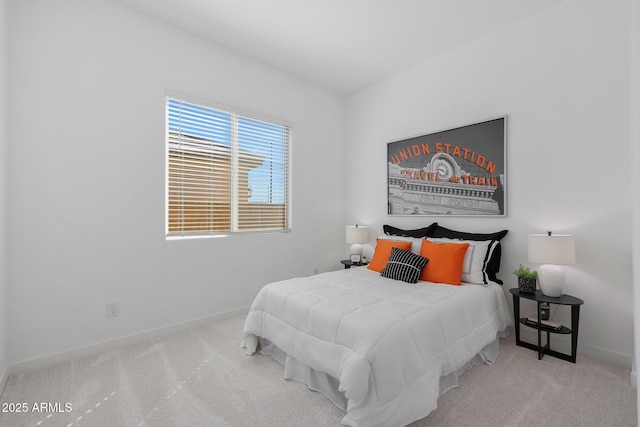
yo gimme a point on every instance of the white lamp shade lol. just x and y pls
(552, 249)
(357, 235)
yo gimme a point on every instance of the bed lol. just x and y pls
(380, 348)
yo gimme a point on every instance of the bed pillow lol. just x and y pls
(474, 268)
(416, 242)
(440, 231)
(445, 261)
(418, 232)
(404, 265)
(383, 251)
(493, 265)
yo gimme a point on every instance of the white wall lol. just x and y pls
(634, 114)
(87, 188)
(4, 134)
(562, 78)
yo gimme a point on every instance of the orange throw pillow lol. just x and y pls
(445, 261)
(383, 252)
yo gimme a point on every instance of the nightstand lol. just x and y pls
(540, 298)
(347, 263)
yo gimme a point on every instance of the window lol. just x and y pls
(226, 172)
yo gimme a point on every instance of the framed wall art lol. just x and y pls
(459, 171)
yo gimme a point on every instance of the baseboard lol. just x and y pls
(606, 355)
(88, 350)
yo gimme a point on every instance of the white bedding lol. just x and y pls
(387, 342)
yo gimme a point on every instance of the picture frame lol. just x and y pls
(355, 258)
(459, 172)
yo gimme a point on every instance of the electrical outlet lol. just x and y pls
(113, 309)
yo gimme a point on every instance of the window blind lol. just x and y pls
(226, 172)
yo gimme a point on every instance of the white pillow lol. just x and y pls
(474, 268)
(416, 243)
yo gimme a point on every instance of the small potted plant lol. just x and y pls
(526, 279)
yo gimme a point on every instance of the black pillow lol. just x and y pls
(493, 266)
(418, 232)
(404, 265)
(440, 231)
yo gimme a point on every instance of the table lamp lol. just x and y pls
(550, 250)
(357, 235)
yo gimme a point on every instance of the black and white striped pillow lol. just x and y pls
(404, 265)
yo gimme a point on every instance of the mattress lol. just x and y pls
(386, 342)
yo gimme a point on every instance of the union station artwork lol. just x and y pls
(458, 171)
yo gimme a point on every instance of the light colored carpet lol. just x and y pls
(201, 377)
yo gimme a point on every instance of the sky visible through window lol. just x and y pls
(268, 140)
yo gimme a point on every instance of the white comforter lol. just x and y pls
(386, 341)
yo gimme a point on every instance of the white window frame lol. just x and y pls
(235, 228)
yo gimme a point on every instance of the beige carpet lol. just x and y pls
(201, 377)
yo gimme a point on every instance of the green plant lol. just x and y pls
(525, 272)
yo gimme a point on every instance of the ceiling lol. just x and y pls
(343, 45)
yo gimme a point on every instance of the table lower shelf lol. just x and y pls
(563, 329)
(545, 349)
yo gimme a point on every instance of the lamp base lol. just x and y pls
(356, 249)
(551, 279)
